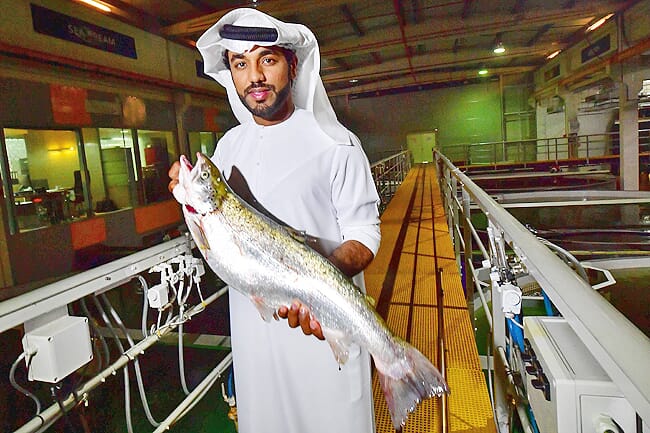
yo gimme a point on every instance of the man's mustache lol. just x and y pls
(257, 86)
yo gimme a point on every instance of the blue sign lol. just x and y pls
(601, 46)
(51, 23)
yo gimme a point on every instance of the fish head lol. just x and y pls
(204, 189)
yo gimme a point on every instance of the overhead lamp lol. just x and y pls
(483, 71)
(599, 23)
(353, 80)
(97, 4)
(499, 48)
(553, 54)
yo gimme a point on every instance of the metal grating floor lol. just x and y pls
(402, 278)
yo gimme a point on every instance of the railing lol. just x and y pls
(621, 348)
(542, 149)
(388, 175)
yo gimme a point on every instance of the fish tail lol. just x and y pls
(407, 382)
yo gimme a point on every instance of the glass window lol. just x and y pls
(157, 149)
(44, 169)
(111, 159)
(204, 142)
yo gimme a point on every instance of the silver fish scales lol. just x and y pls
(262, 259)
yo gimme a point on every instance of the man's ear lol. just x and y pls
(293, 68)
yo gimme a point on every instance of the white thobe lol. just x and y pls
(286, 382)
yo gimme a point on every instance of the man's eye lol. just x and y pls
(240, 65)
(268, 60)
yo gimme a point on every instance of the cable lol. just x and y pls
(107, 352)
(136, 363)
(145, 305)
(127, 384)
(19, 388)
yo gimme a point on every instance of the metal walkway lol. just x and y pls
(403, 280)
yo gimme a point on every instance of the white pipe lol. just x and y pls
(196, 395)
(52, 413)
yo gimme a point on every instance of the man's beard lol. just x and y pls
(268, 112)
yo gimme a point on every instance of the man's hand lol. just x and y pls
(299, 315)
(173, 172)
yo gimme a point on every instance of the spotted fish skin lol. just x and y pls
(263, 260)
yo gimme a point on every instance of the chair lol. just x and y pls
(78, 190)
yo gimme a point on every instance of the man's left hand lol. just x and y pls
(299, 315)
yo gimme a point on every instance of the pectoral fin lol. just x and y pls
(197, 233)
(266, 311)
(339, 343)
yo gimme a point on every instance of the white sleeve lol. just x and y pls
(355, 197)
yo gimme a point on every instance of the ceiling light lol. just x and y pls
(499, 48)
(599, 23)
(97, 4)
(353, 80)
(483, 71)
(553, 54)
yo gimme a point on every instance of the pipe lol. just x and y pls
(196, 395)
(52, 413)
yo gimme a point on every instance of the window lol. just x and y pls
(111, 160)
(157, 150)
(46, 186)
(204, 142)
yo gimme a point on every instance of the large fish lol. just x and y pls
(266, 262)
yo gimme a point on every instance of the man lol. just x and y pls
(292, 158)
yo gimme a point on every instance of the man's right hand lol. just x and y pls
(174, 170)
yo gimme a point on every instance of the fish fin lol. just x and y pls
(198, 234)
(297, 235)
(407, 382)
(266, 311)
(339, 343)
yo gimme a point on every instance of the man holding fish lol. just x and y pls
(292, 159)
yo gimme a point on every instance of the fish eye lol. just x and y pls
(205, 175)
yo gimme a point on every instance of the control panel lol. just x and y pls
(568, 390)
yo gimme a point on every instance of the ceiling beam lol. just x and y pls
(427, 78)
(456, 27)
(431, 61)
(467, 9)
(276, 8)
(540, 32)
(519, 8)
(349, 17)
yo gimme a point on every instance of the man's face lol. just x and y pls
(262, 78)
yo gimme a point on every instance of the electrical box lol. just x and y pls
(61, 347)
(568, 390)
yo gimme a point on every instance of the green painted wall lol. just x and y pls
(463, 114)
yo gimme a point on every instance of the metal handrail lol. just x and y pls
(388, 174)
(620, 347)
(541, 149)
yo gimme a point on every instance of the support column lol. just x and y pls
(628, 115)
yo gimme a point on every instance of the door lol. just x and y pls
(421, 145)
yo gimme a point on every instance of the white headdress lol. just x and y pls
(245, 28)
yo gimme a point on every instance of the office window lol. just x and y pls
(157, 151)
(44, 185)
(111, 163)
(204, 142)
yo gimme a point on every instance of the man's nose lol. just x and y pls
(256, 74)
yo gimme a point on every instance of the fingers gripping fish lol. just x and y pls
(264, 261)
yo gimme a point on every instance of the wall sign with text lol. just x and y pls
(52, 23)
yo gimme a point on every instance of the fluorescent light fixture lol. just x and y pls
(96, 4)
(499, 48)
(482, 71)
(353, 80)
(553, 54)
(599, 23)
